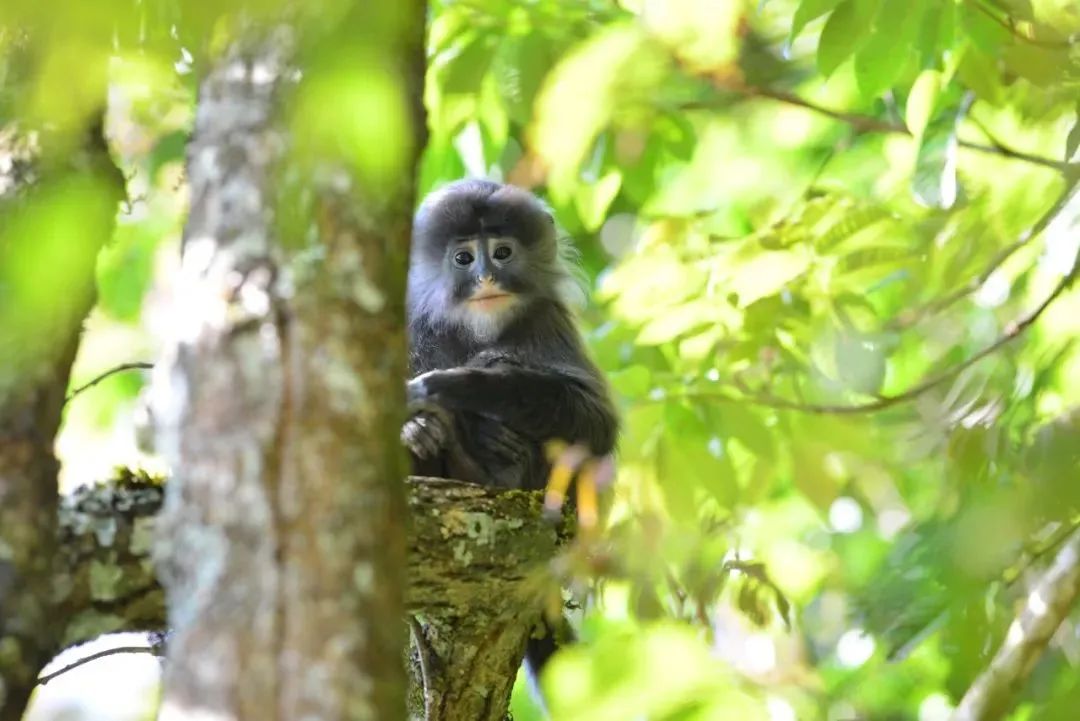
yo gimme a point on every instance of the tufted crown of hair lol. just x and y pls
(481, 208)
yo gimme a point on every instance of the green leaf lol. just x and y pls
(745, 426)
(860, 365)
(844, 33)
(937, 32)
(922, 100)
(614, 65)
(986, 33)
(979, 72)
(632, 382)
(808, 11)
(519, 67)
(1043, 66)
(690, 460)
(168, 149)
(445, 28)
(935, 181)
(592, 200)
(681, 320)
(1072, 141)
(464, 70)
(765, 273)
(880, 61)
(811, 476)
(125, 269)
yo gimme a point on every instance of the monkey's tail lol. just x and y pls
(539, 649)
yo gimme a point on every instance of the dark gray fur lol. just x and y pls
(489, 401)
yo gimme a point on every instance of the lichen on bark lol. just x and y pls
(473, 553)
(55, 213)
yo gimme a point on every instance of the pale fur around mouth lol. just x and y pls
(491, 300)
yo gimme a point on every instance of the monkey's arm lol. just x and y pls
(544, 404)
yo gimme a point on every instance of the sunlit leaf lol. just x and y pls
(763, 274)
(125, 269)
(594, 199)
(463, 70)
(979, 72)
(1043, 66)
(703, 33)
(922, 100)
(654, 672)
(519, 67)
(1072, 141)
(807, 11)
(632, 382)
(860, 364)
(935, 181)
(844, 33)
(987, 34)
(598, 70)
(683, 319)
(882, 58)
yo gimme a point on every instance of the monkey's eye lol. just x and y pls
(502, 252)
(463, 257)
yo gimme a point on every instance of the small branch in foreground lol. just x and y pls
(152, 650)
(992, 693)
(141, 365)
(870, 124)
(1012, 331)
(906, 320)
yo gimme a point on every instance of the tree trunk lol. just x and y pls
(54, 217)
(284, 529)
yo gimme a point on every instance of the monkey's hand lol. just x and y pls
(428, 430)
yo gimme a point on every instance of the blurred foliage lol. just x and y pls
(833, 246)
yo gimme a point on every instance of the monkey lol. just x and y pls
(497, 365)
(498, 368)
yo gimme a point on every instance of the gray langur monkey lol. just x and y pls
(498, 368)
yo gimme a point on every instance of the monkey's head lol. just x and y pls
(481, 253)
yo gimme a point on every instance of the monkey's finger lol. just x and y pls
(605, 471)
(586, 495)
(422, 436)
(565, 464)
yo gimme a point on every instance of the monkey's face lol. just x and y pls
(487, 273)
(481, 252)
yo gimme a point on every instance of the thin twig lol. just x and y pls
(427, 668)
(1048, 604)
(118, 369)
(867, 123)
(153, 651)
(906, 320)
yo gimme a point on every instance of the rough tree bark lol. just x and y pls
(284, 529)
(1048, 604)
(473, 555)
(54, 248)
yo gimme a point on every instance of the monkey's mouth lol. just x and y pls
(490, 299)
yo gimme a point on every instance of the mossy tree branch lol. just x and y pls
(472, 554)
